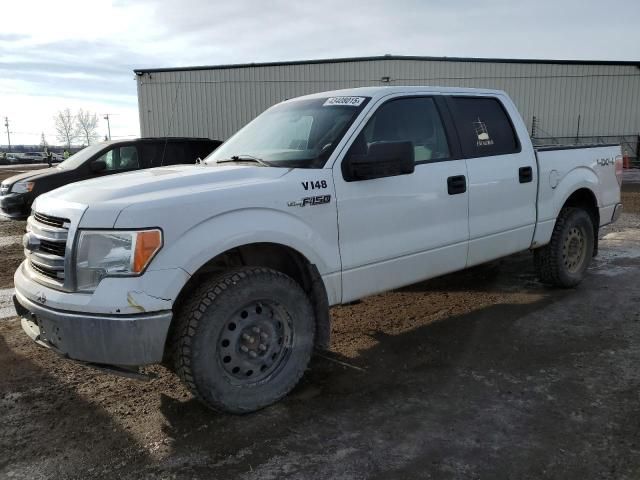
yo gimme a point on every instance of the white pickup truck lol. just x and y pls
(226, 270)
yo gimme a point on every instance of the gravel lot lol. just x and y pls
(480, 374)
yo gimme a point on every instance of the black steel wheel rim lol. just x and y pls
(574, 249)
(255, 342)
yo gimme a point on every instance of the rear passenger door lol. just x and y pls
(501, 176)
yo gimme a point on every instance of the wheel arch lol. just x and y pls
(277, 256)
(585, 199)
(582, 197)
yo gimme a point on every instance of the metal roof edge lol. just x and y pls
(140, 71)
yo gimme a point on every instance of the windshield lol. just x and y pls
(82, 156)
(296, 134)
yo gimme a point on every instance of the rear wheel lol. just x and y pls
(564, 261)
(245, 339)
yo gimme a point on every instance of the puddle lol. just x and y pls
(623, 245)
(611, 270)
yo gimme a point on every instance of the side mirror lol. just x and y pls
(383, 159)
(97, 166)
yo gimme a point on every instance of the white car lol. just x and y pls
(226, 270)
(15, 158)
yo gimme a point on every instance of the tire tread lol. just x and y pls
(191, 314)
(547, 260)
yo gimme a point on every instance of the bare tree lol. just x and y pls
(66, 130)
(87, 126)
(43, 141)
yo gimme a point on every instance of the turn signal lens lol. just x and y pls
(113, 253)
(148, 243)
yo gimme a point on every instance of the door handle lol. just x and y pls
(525, 174)
(456, 184)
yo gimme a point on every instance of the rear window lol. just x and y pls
(484, 127)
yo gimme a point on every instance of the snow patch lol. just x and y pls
(623, 244)
(10, 240)
(6, 303)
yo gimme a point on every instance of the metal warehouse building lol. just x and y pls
(561, 101)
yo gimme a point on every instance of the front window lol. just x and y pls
(297, 133)
(414, 120)
(81, 157)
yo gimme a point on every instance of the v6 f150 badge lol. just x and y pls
(311, 201)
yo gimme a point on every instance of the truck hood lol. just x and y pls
(107, 196)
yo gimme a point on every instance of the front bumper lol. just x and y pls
(15, 205)
(127, 340)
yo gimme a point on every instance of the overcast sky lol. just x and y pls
(81, 53)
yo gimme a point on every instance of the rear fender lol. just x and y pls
(552, 200)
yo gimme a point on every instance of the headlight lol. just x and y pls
(110, 253)
(22, 187)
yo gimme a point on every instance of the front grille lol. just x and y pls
(46, 246)
(47, 272)
(51, 221)
(55, 248)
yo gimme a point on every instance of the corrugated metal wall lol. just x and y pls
(216, 102)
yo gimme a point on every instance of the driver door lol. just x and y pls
(398, 230)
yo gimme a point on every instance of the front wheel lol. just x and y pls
(244, 339)
(564, 261)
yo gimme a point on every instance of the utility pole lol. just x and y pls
(106, 117)
(6, 124)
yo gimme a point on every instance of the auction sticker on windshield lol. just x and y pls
(348, 101)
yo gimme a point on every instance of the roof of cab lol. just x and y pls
(378, 92)
(156, 139)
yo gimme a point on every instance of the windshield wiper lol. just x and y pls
(245, 158)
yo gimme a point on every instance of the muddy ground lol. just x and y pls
(11, 232)
(480, 374)
(11, 252)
